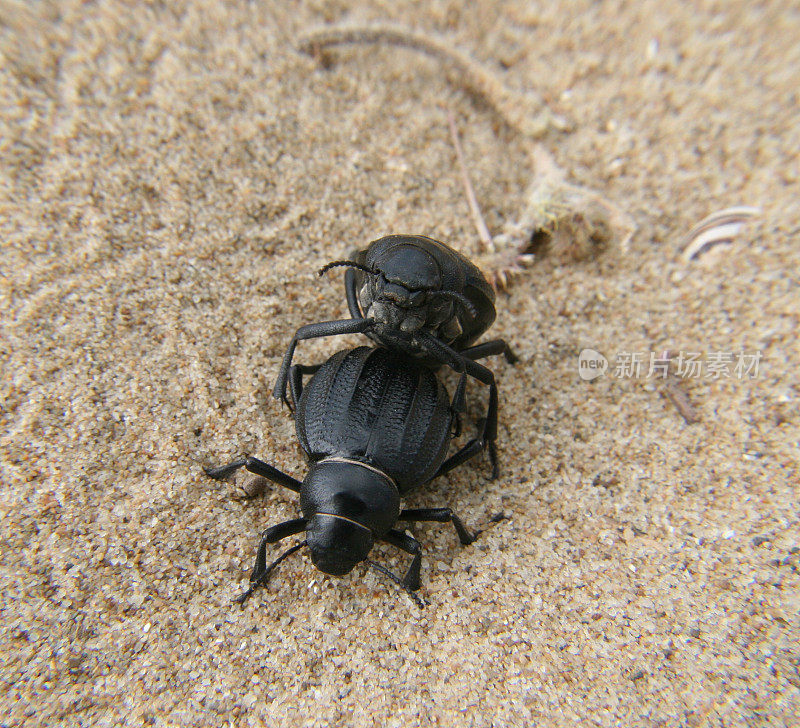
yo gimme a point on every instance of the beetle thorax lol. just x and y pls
(350, 489)
(348, 505)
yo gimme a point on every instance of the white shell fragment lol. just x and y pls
(719, 228)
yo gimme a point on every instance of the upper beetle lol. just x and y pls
(417, 295)
(374, 424)
(413, 283)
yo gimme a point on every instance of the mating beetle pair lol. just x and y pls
(375, 423)
(417, 295)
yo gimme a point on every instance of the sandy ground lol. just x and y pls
(172, 177)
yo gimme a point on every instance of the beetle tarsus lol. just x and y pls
(257, 467)
(492, 447)
(224, 471)
(410, 545)
(261, 573)
(420, 602)
(243, 597)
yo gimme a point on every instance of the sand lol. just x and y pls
(173, 175)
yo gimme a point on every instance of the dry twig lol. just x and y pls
(477, 218)
(676, 394)
(524, 112)
(673, 390)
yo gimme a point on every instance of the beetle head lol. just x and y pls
(347, 505)
(337, 544)
(398, 291)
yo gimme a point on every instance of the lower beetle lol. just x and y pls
(417, 295)
(374, 424)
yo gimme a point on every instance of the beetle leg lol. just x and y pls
(314, 331)
(490, 348)
(264, 574)
(410, 545)
(280, 531)
(257, 467)
(296, 373)
(488, 426)
(492, 448)
(440, 351)
(273, 534)
(446, 355)
(481, 373)
(350, 287)
(441, 515)
(489, 423)
(456, 424)
(463, 362)
(469, 451)
(418, 600)
(486, 441)
(460, 398)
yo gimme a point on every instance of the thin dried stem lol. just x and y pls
(477, 218)
(523, 112)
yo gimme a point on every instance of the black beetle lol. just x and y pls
(412, 283)
(419, 296)
(374, 424)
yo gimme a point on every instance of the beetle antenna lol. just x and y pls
(397, 580)
(261, 578)
(462, 299)
(345, 263)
